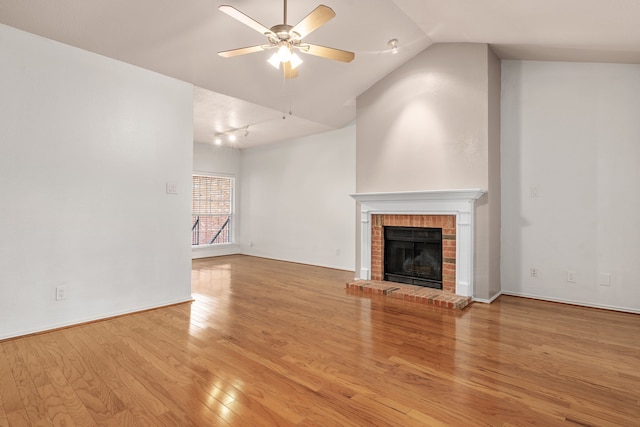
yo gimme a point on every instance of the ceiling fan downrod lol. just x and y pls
(285, 13)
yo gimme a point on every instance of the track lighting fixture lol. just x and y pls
(230, 135)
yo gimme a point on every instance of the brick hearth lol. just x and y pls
(418, 294)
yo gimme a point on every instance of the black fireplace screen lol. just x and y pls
(413, 256)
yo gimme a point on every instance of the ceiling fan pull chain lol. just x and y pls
(284, 96)
(290, 104)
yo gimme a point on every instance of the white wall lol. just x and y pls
(222, 161)
(87, 145)
(295, 203)
(428, 125)
(493, 246)
(572, 131)
(424, 126)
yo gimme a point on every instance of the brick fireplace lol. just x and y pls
(450, 210)
(445, 222)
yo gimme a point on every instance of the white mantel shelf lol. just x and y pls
(437, 202)
(405, 196)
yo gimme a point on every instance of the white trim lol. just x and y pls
(215, 245)
(207, 251)
(440, 202)
(488, 301)
(436, 195)
(214, 174)
(571, 302)
(293, 261)
(94, 319)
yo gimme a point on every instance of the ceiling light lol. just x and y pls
(295, 60)
(230, 135)
(284, 52)
(274, 60)
(393, 45)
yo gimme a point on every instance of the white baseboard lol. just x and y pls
(304, 262)
(76, 322)
(580, 303)
(208, 251)
(488, 301)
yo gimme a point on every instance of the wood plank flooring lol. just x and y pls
(270, 343)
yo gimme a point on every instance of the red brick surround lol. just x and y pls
(446, 222)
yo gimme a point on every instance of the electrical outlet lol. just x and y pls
(533, 191)
(337, 252)
(571, 276)
(604, 279)
(61, 293)
(533, 272)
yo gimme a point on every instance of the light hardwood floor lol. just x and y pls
(274, 343)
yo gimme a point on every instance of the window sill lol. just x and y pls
(219, 245)
(206, 251)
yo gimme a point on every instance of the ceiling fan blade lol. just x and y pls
(318, 17)
(246, 20)
(240, 51)
(289, 72)
(328, 52)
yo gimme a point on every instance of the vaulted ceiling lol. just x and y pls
(181, 38)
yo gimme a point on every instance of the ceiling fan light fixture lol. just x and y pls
(283, 38)
(274, 60)
(284, 52)
(295, 60)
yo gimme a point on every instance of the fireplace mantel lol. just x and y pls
(439, 202)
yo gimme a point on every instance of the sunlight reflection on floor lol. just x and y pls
(211, 289)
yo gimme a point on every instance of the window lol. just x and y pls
(212, 210)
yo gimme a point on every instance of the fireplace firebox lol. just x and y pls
(413, 256)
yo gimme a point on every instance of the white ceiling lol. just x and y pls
(181, 38)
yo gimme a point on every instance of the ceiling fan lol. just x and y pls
(287, 39)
